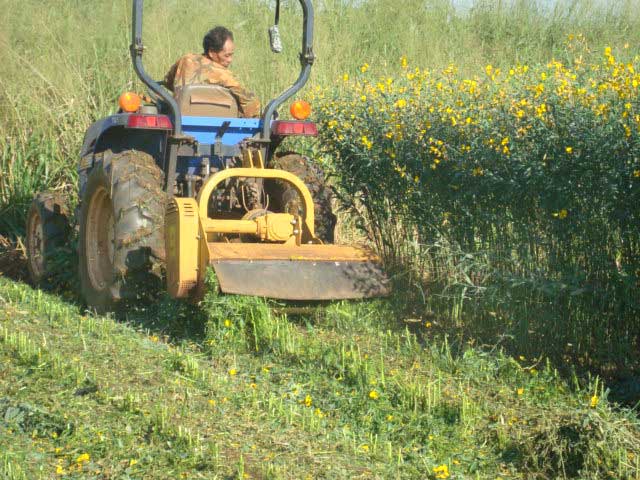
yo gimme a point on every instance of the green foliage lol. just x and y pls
(515, 190)
(517, 249)
(65, 68)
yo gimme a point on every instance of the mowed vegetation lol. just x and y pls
(492, 159)
(234, 390)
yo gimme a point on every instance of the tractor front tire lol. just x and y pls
(121, 243)
(284, 197)
(47, 231)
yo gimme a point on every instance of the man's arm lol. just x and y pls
(248, 103)
(170, 77)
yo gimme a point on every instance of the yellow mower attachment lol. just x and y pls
(284, 261)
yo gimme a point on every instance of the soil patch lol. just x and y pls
(13, 263)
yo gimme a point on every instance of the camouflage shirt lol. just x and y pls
(194, 69)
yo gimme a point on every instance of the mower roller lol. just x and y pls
(180, 185)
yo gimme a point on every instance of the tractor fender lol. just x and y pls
(111, 135)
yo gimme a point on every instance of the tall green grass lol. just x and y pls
(64, 65)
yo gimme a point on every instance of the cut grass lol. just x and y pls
(244, 393)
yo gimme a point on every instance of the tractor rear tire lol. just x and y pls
(121, 243)
(283, 196)
(48, 231)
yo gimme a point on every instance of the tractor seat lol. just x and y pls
(206, 101)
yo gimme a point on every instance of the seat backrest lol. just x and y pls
(206, 101)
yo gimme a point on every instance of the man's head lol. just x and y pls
(218, 45)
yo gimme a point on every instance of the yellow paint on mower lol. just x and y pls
(286, 260)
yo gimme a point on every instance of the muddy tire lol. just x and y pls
(121, 242)
(48, 231)
(284, 198)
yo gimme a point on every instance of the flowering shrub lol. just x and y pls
(537, 169)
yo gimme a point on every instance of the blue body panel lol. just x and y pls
(204, 129)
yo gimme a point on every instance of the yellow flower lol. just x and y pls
(233, 372)
(478, 172)
(60, 470)
(389, 418)
(561, 214)
(569, 150)
(594, 401)
(401, 103)
(83, 458)
(308, 401)
(441, 471)
(227, 323)
(403, 61)
(364, 448)
(373, 395)
(364, 68)
(636, 173)
(366, 142)
(132, 462)
(520, 391)
(345, 77)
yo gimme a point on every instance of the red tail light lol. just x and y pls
(282, 128)
(160, 122)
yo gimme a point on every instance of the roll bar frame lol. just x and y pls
(307, 58)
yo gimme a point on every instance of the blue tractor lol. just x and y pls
(180, 185)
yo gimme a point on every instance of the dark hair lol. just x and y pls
(215, 39)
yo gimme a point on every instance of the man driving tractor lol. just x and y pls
(212, 67)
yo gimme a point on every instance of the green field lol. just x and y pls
(491, 157)
(233, 390)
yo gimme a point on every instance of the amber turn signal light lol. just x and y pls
(129, 102)
(300, 110)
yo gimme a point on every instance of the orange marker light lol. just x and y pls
(300, 110)
(129, 102)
